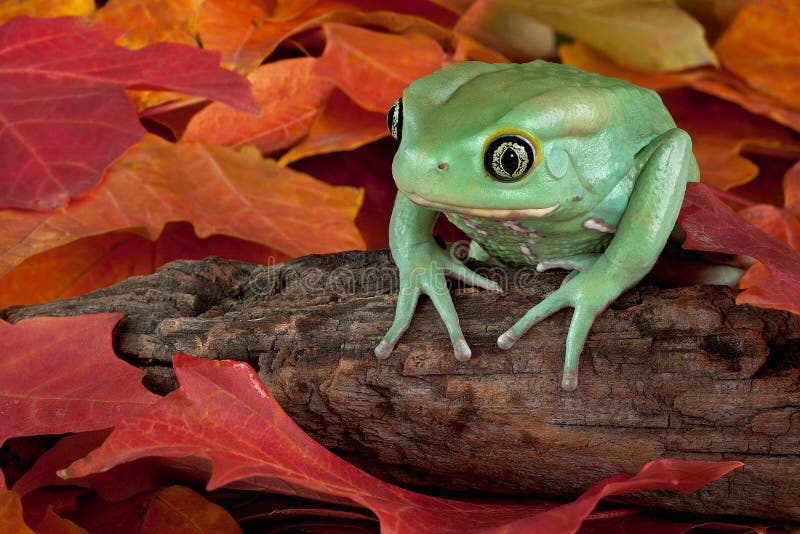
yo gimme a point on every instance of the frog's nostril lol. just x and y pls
(443, 166)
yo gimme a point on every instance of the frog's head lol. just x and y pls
(508, 141)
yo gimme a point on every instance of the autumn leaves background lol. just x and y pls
(124, 144)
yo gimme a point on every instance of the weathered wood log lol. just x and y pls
(680, 372)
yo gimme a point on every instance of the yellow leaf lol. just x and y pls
(44, 8)
(644, 34)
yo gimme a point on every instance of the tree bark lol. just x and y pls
(681, 373)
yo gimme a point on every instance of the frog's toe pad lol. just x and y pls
(384, 349)
(569, 382)
(461, 349)
(507, 340)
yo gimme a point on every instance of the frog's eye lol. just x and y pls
(394, 119)
(509, 157)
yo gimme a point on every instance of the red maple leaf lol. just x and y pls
(64, 115)
(223, 413)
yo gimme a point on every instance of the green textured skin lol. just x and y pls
(602, 197)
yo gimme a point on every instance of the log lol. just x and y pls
(666, 372)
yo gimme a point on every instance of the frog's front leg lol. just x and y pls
(423, 266)
(641, 235)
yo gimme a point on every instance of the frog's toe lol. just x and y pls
(384, 349)
(507, 340)
(468, 276)
(569, 382)
(461, 349)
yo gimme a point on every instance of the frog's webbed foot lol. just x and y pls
(425, 273)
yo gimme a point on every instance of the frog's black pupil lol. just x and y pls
(509, 161)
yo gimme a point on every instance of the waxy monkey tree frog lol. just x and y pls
(542, 165)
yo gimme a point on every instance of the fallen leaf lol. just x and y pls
(44, 8)
(762, 46)
(678, 475)
(468, 49)
(52, 523)
(731, 89)
(368, 167)
(714, 15)
(290, 98)
(712, 226)
(151, 21)
(504, 28)
(67, 450)
(179, 509)
(583, 56)
(782, 224)
(223, 413)
(717, 83)
(244, 33)
(124, 517)
(372, 67)
(720, 131)
(218, 189)
(100, 261)
(60, 374)
(342, 125)
(60, 499)
(646, 35)
(11, 514)
(75, 76)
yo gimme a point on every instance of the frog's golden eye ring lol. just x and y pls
(509, 157)
(394, 119)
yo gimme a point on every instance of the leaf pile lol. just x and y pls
(145, 131)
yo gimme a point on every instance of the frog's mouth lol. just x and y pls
(499, 214)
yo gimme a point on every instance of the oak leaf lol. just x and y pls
(714, 82)
(44, 8)
(506, 29)
(647, 35)
(342, 125)
(52, 523)
(11, 514)
(372, 67)
(223, 413)
(782, 224)
(290, 97)
(245, 33)
(179, 509)
(60, 374)
(712, 226)
(719, 131)
(218, 189)
(151, 21)
(64, 116)
(762, 46)
(99, 261)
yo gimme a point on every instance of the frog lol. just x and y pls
(542, 165)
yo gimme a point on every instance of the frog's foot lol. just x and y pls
(589, 300)
(431, 281)
(406, 302)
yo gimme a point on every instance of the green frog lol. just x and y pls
(543, 166)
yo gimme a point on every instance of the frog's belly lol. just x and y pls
(517, 243)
